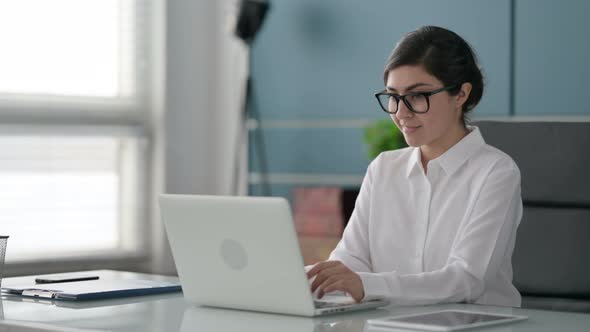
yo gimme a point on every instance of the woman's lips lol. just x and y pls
(409, 130)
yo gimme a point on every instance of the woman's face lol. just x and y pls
(443, 118)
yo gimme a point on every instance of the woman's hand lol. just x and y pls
(335, 276)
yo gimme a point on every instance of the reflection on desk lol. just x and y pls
(15, 326)
(214, 319)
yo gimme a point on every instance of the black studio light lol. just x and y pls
(250, 17)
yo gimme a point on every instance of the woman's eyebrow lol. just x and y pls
(411, 87)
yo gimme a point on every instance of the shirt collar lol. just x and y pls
(454, 157)
(414, 161)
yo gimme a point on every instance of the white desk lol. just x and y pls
(170, 313)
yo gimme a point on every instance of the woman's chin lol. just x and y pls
(413, 142)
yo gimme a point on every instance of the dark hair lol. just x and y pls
(443, 54)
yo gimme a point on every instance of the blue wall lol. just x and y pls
(317, 63)
(551, 57)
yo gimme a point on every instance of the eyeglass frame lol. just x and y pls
(411, 94)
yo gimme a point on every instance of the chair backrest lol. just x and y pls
(552, 252)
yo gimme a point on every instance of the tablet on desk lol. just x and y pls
(445, 320)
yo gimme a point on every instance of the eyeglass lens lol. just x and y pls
(418, 102)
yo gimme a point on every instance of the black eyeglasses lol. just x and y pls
(417, 102)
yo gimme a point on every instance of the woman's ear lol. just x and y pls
(463, 94)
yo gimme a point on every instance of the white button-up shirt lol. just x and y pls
(446, 235)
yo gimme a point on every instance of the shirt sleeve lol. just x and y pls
(478, 250)
(353, 248)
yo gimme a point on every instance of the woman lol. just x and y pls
(435, 222)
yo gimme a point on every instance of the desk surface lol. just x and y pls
(170, 313)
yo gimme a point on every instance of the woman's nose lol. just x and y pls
(403, 111)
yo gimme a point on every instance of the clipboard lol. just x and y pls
(93, 289)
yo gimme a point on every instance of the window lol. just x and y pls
(67, 47)
(74, 147)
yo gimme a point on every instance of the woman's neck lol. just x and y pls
(436, 149)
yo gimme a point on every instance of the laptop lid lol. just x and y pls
(237, 252)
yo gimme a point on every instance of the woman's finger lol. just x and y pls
(331, 285)
(320, 266)
(353, 286)
(324, 274)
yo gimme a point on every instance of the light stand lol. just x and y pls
(250, 18)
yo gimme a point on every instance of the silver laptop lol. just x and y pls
(243, 253)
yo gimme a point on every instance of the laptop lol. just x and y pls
(243, 253)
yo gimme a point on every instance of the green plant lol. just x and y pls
(383, 135)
